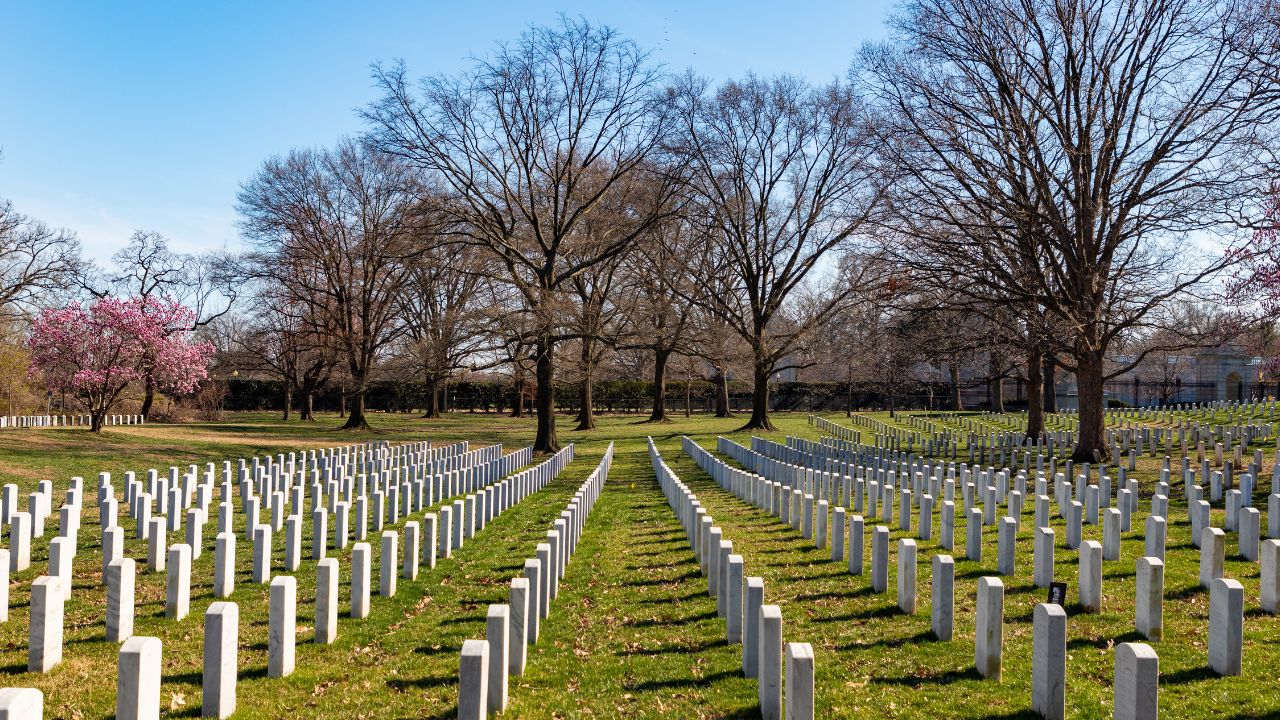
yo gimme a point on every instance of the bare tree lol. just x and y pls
(337, 229)
(786, 173)
(658, 290)
(445, 308)
(35, 262)
(1100, 143)
(525, 145)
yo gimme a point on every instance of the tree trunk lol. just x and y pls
(1050, 384)
(586, 402)
(355, 414)
(1091, 444)
(95, 420)
(444, 398)
(659, 413)
(996, 388)
(517, 400)
(760, 399)
(1035, 393)
(688, 397)
(433, 399)
(957, 400)
(309, 406)
(288, 401)
(545, 398)
(722, 393)
(149, 398)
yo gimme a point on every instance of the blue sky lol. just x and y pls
(117, 116)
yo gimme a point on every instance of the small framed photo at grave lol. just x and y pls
(1058, 594)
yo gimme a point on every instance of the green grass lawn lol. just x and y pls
(633, 633)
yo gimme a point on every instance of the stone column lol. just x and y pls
(989, 633)
(497, 634)
(361, 559)
(177, 602)
(262, 554)
(157, 545)
(517, 643)
(733, 599)
(799, 663)
(1006, 545)
(973, 535)
(880, 559)
(1270, 577)
(473, 681)
(21, 703)
(282, 626)
(1149, 613)
(533, 574)
(907, 576)
(44, 631)
(837, 534)
(429, 540)
(1090, 561)
(1213, 552)
(221, 636)
(1153, 544)
(292, 543)
(943, 596)
(1226, 626)
(138, 679)
(753, 600)
(119, 580)
(388, 564)
(769, 685)
(224, 565)
(1137, 682)
(857, 545)
(1043, 560)
(326, 601)
(1049, 661)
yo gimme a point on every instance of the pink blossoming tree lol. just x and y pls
(1258, 278)
(95, 352)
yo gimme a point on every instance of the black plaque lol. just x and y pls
(1058, 594)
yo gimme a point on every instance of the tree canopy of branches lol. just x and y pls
(1096, 143)
(35, 261)
(787, 176)
(524, 146)
(337, 229)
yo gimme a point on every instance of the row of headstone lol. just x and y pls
(1226, 612)
(49, 592)
(486, 665)
(46, 421)
(749, 621)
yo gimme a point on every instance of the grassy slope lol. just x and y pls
(633, 633)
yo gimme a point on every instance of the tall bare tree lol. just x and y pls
(338, 229)
(1104, 145)
(786, 173)
(445, 310)
(525, 145)
(35, 262)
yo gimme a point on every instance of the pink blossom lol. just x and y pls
(95, 352)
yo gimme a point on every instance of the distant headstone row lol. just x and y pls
(392, 482)
(740, 600)
(814, 502)
(10, 422)
(485, 665)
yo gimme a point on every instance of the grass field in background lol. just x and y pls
(633, 633)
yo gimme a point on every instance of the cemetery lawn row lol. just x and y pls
(633, 633)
